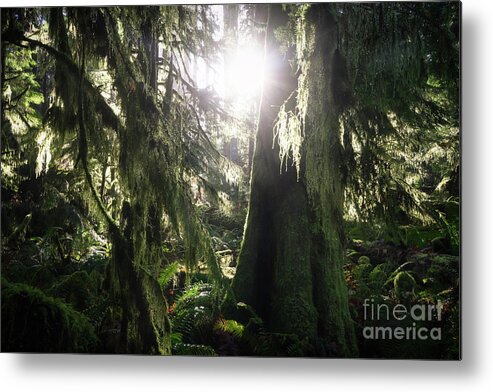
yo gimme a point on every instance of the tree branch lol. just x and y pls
(109, 117)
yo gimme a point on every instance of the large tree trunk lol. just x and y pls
(290, 265)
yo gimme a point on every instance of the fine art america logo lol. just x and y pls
(400, 313)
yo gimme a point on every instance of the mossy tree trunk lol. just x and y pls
(144, 325)
(137, 255)
(290, 265)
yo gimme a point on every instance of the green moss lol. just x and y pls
(323, 180)
(443, 272)
(404, 284)
(378, 276)
(35, 322)
(290, 265)
(78, 289)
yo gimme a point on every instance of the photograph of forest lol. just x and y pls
(278, 180)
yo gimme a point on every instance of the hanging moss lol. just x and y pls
(145, 142)
(390, 96)
(290, 264)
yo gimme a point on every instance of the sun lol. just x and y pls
(245, 73)
(238, 77)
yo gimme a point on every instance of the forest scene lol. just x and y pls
(232, 180)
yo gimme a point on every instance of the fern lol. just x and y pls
(231, 326)
(167, 274)
(193, 315)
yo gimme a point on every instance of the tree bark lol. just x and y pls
(290, 264)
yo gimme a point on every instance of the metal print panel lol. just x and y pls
(242, 179)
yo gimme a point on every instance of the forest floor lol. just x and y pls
(54, 283)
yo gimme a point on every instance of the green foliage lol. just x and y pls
(442, 274)
(282, 345)
(107, 122)
(77, 289)
(409, 277)
(362, 271)
(105, 132)
(450, 221)
(20, 231)
(193, 314)
(167, 274)
(404, 285)
(263, 343)
(35, 322)
(231, 326)
(395, 98)
(193, 349)
(402, 135)
(378, 276)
